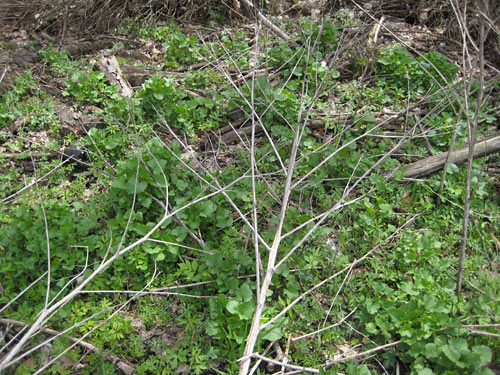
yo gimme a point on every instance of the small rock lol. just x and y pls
(73, 153)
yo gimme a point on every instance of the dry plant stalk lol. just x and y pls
(472, 121)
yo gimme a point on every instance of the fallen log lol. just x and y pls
(458, 156)
(76, 49)
(241, 127)
(239, 130)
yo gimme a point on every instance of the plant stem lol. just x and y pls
(472, 140)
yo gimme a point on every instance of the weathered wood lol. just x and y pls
(275, 29)
(75, 49)
(24, 155)
(111, 69)
(239, 129)
(241, 126)
(434, 163)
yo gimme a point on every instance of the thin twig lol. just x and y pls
(472, 130)
(278, 363)
(74, 340)
(363, 354)
(268, 23)
(326, 328)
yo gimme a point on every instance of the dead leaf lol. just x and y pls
(406, 197)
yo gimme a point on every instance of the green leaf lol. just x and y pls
(452, 168)
(399, 174)
(354, 369)
(158, 95)
(146, 201)
(407, 287)
(272, 334)
(180, 233)
(484, 353)
(431, 350)
(159, 257)
(379, 181)
(371, 328)
(244, 310)
(232, 306)
(425, 371)
(406, 333)
(206, 208)
(173, 249)
(181, 184)
(223, 217)
(292, 290)
(385, 208)
(245, 293)
(212, 328)
(371, 307)
(459, 344)
(153, 250)
(370, 118)
(484, 371)
(397, 314)
(384, 61)
(453, 354)
(78, 206)
(141, 186)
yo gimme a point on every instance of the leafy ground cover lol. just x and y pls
(156, 246)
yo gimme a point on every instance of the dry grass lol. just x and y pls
(90, 17)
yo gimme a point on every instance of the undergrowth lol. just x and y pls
(404, 292)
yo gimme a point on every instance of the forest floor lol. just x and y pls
(154, 176)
